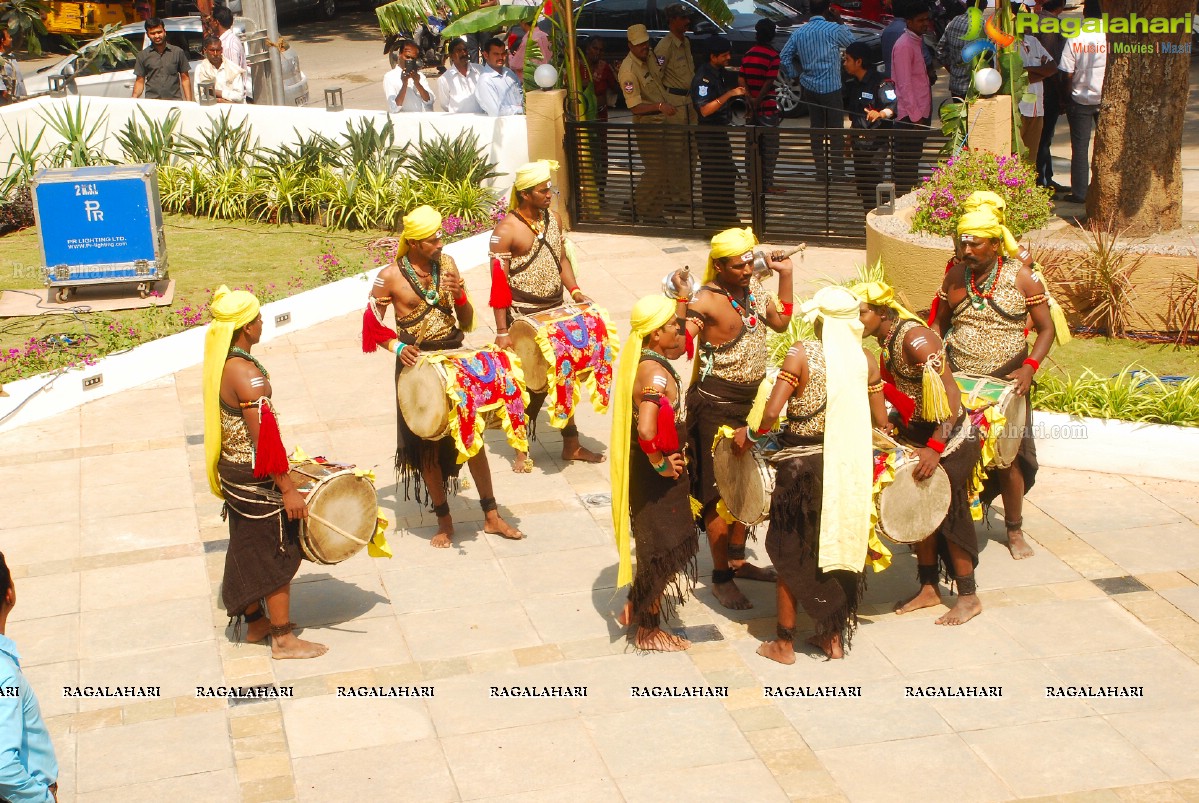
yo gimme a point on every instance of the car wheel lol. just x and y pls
(787, 96)
(327, 9)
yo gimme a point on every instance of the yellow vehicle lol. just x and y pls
(84, 18)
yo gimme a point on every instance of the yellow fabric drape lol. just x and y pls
(231, 310)
(530, 175)
(649, 314)
(848, 454)
(422, 222)
(881, 294)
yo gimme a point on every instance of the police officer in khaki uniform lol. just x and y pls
(647, 100)
(677, 66)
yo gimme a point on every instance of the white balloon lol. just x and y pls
(546, 76)
(988, 80)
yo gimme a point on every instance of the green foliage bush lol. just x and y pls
(939, 200)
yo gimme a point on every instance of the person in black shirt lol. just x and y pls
(711, 91)
(870, 100)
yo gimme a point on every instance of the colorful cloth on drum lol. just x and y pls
(580, 349)
(490, 379)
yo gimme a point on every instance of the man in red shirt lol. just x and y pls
(915, 102)
(759, 68)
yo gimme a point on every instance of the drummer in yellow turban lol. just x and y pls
(941, 433)
(650, 486)
(988, 301)
(432, 310)
(247, 467)
(728, 320)
(532, 267)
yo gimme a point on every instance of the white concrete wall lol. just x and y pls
(504, 139)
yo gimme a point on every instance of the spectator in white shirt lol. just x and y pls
(228, 81)
(456, 86)
(1039, 66)
(232, 45)
(499, 91)
(1084, 61)
(403, 85)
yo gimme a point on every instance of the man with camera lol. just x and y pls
(403, 85)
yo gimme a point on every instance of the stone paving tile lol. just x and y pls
(561, 572)
(1186, 599)
(1066, 628)
(99, 472)
(143, 583)
(117, 631)
(464, 705)
(530, 758)
(873, 772)
(164, 749)
(601, 791)
(133, 531)
(48, 681)
(410, 771)
(334, 601)
(420, 588)
(1169, 678)
(331, 724)
(1104, 509)
(688, 734)
(915, 645)
(39, 543)
(750, 779)
(1056, 765)
(176, 670)
(572, 617)
(442, 634)
(1163, 738)
(53, 595)
(353, 645)
(46, 641)
(1166, 547)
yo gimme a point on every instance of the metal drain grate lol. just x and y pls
(1120, 585)
(596, 500)
(697, 634)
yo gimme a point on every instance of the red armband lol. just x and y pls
(936, 445)
(501, 291)
(788, 307)
(461, 300)
(649, 447)
(1036, 366)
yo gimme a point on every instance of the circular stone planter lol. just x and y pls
(915, 263)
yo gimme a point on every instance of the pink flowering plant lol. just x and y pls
(939, 201)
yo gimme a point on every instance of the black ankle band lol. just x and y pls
(488, 504)
(570, 431)
(254, 617)
(1014, 525)
(966, 585)
(722, 576)
(927, 575)
(441, 510)
(784, 633)
(736, 551)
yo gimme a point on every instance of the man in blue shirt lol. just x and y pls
(28, 769)
(818, 44)
(499, 90)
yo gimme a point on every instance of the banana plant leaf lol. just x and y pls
(401, 16)
(716, 9)
(488, 19)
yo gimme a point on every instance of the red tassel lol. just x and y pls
(690, 345)
(271, 457)
(374, 334)
(501, 292)
(935, 306)
(668, 434)
(549, 8)
(904, 404)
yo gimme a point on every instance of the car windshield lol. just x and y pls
(746, 13)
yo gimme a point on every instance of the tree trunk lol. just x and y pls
(1136, 180)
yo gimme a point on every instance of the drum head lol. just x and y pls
(745, 483)
(420, 391)
(523, 332)
(1007, 446)
(341, 505)
(910, 511)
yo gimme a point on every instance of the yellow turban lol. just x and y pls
(983, 216)
(730, 242)
(231, 310)
(530, 175)
(881, 294)
(649, 314)
(422, 222)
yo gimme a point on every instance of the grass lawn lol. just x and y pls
(1107, 357)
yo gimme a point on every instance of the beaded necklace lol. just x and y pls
(978, 296)
(433, 292)
(245, 355)
(746, 311)
(538, 228)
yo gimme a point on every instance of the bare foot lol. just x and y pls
(291, 647)
(257, 631)
(494, 525)
(523, 464)
(626, 615)
(728, 595)
(830, 645)
(659, 640)
(748, 571)
(581, 454)
(927, 598)
(778, 650)
(967, 608)
(445, 533)
(1018, 546)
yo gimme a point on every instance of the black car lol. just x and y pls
(610, 20)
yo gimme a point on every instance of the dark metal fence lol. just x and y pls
(814, 185)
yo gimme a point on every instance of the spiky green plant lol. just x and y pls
(151, 140)
(450, 159)
(221, 143)
(1131, 395)
(82, 138)
(25, 160)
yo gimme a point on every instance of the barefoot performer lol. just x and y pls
(530, 268)
(820, 511)
(247, 467)
(915, 359)
(728, 319)
(650, 485)
(432, 310)
(988, 298)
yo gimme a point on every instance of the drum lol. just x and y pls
(523, 332)
(424, 403)
(979, 392)
(910, 511)
(342, 510)
(746, 483)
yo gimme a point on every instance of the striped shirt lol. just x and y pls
(817, 44)
(760, 66)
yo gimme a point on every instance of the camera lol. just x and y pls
(411, 65)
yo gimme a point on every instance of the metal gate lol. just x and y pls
(814, 185)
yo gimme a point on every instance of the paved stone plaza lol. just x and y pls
(118, 548)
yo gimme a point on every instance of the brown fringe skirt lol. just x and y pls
(711, 404)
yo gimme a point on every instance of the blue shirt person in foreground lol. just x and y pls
(28, 768)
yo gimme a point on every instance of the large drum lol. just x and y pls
(746, 483)
(909, 511)
(421, 393)
(525, 342)
(980, 392)
(342, 510)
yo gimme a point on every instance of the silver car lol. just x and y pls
(116, 80)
